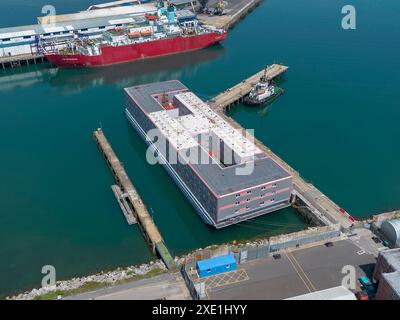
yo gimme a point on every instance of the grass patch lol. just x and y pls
(50, 295)
(213, 247)
(152, 273)
(88, 286)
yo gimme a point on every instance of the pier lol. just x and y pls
(132, 204)
(324, 209)
(124, 205)
(237, 93)
(22, 59)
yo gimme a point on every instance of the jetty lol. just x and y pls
(237, 93)
(130, 201)
(324, 209)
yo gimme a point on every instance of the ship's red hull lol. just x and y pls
(120, 54)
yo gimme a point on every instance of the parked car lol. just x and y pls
(376, 239)
(367, 285)
(385, 243)
(362, 295)
(364, 281)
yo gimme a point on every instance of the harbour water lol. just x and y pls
(337, 124)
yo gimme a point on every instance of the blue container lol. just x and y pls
(216, 265)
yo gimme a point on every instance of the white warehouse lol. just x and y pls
(25, 39)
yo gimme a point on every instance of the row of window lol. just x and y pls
(100, 28)
(249, 191)
(262, 203)
(58, 33)
(55, 33)
(9, 39)
(32, 37)
(249, 199)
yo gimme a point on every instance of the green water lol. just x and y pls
(336, 123)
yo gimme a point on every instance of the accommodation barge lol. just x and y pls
(220, 170)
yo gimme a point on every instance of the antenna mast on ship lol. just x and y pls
(164, 99)
(264, 78)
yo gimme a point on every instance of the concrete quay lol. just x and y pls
(234, 11)
(22, 59)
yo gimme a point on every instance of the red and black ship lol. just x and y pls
(159, 35)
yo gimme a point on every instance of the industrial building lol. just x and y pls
(387, 273)
(224, 175)
(25, 39)
(391, 231)
(388, 261)
(336, 293)
(389, 287)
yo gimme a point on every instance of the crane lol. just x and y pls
(218, 10)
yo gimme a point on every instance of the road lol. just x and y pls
(166, 286)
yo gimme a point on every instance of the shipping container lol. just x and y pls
(216, 265)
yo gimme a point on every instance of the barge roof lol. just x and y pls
(221, 180)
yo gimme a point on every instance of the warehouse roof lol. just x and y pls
(336, 293)
(392, 257)
(393, 280)
(100, 13)
(68, 26)
(180, 2)
(74, 24)
(112, 4)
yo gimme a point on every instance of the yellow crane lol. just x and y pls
(206, 7)
(219, 8)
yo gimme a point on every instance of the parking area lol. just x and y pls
(296, 272)
(364, 239)
(224, 279)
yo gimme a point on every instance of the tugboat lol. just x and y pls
(263, 92)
